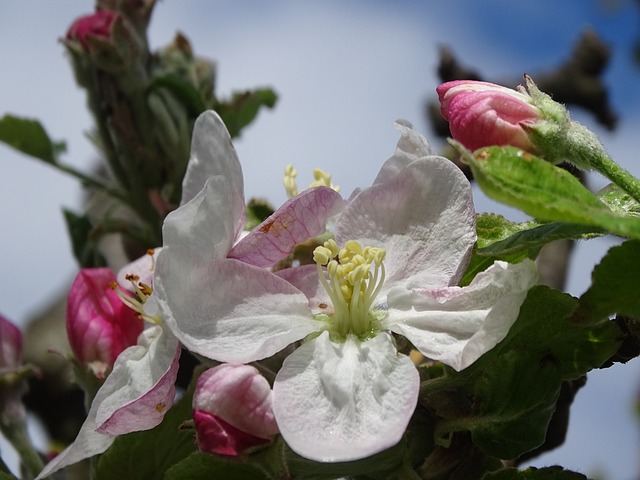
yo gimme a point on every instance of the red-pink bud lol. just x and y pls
(232, 410)
(482, 114)
(10, 345)
(99, 324)
(95, 25)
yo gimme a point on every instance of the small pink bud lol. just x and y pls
(95, 25)
(10, 345)
(482, 114)
(232, 410)
(99, 324)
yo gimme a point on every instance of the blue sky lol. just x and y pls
(344, 71)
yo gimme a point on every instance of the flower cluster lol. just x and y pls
(391, 266)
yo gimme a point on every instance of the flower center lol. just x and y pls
(353, 279)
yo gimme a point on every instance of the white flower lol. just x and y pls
(400, 249)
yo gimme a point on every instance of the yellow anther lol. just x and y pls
(322, 255)
(321, 179)
(290, 186)
(333, 246)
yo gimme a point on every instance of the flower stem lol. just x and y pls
(618, 175)
(15, 432)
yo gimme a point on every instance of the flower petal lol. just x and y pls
(411, 146)
(424, 219)
(212, 153)
(457, 325)
(228, 310)
(300, 218)
(142, 381)
(344, 401)
(203, 224)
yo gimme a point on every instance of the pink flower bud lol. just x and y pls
(481, 114)
(10, 345)
(232, 410)
(99, 324)
(95, 25)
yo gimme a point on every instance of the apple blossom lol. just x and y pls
(99, 325)
(400, 248)
(232, 410)
(481, 114)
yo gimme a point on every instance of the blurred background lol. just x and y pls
(344, 72)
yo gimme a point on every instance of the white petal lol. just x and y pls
(423, 217)
(144, 384)
(457, 325)
(204, 224)
(411, 146)
(212, 154)
(228, 310)
(341, 402)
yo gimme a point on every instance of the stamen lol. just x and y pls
(351, 284)
(290, 186)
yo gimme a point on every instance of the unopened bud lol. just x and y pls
(232, 410)
(99, 325)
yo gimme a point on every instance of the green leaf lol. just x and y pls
(188, 95)
(151, 453)
(513, 404)
(242, 108)
(203, 466)
(615, 285)
(85, 249)
(500, 239)
(542, 190)
(29, 137)
(544, 328)
(532, 473)
(618, 200)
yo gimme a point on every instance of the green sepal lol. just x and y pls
(29, 137)
(188, 95)
(542, 190)
(615, 285)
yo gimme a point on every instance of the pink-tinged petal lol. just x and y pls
(423, 217)
(10, 345)
(212, 154)
(214, 435)
(228, 310)
(238, 395)
(305, 279)
(457, 325)
(338, 402)
(204, 224)
(142, 382)
(143, 268)
(411, 146)
(99, 325)
(96, 25)
(300, 218)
